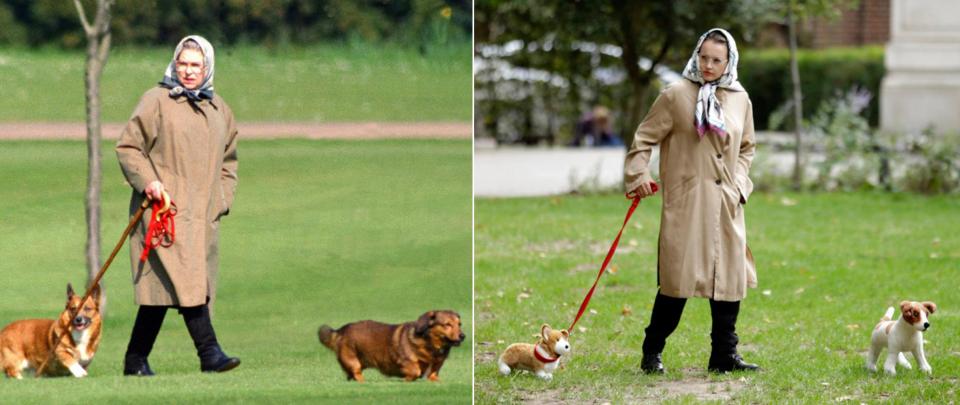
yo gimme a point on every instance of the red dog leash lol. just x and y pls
(606, 261)
(161, 231)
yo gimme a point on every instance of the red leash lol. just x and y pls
(606, 261)
(161, 231)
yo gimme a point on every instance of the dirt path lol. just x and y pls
(263, 130)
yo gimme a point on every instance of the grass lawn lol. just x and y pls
(321, 232)
(828, 264)
(325, 83)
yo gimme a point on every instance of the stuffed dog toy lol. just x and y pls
(541, 358)
(902, 335)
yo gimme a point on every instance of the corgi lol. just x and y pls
(541, 359)
(54, 347)
(902, 335)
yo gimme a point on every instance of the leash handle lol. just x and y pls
(606, 260)
(161, 231)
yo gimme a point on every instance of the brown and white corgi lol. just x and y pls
(541, 359)
(54, 347)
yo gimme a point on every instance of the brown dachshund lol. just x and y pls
(410, 350)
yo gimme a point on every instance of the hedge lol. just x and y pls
(824, 73)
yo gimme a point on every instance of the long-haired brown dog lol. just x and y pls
(54, 347)
(410, 350)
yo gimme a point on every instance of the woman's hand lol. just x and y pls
(644, 190)
(154, 190)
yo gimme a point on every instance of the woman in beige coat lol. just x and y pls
(704, 127)
(182, 140)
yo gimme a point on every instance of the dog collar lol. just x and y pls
(542, 358)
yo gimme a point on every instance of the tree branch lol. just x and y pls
(83, 19)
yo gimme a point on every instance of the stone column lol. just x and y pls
(921, 86)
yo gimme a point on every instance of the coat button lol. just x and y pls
(718, 182)
(719, 156)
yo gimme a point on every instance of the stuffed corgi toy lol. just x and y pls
(541, 359)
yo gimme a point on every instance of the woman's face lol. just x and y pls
(190, 68)
(713, 60)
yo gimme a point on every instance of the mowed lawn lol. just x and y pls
(323, 83)
(829, 265)
(321, 232)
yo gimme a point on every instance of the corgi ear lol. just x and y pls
(564, 333)
(96, 294)
(545, 331)
(930, 306)
(70, 293)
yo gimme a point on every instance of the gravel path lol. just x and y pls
(262, 130)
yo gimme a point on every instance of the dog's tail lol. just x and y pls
(888, 316)
(328, 336)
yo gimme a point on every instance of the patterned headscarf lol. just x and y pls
(170, 80)
(709, 113)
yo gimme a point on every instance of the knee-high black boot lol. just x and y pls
(663, 321)
(144, 334)
(212, 358)
(723, 338)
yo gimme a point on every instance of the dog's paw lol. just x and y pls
(890, 370)
(926, 369)
(77, 370)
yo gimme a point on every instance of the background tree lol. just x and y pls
(98, 48)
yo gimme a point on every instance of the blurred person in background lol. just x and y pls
(594, 129)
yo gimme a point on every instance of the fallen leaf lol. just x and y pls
(767, 292)
(626, 311)
(825, 384)
(581, 329)
(934, 255)
(613, 268)
(543, 255)
(500, 293)
(936, 241)
(522, 296)
(853, 326)
(787, 202)
(799, 291)
(593, 311)
(638, 225)
(633, 242)
(827, 298)
(499, 341)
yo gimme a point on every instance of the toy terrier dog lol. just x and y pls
(902, 335)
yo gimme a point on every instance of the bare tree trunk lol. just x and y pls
(797, 100)
(639, 79)
(98, 48)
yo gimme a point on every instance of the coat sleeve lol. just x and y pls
(747, 149)
(228, 174)
(655, 126)
(135, 142)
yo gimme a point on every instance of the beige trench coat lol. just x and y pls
(193, 152)
(705, 184)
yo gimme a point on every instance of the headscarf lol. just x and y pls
(709, 113)
(170, 80)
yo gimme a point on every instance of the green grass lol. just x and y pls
(321, 232)
(324, 83)
(832, 264)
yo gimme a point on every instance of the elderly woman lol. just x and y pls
(704, 127)
(182, 140)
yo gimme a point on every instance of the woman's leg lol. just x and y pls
(144, 334)
(724, 339)
(211, 356)
(663, 321)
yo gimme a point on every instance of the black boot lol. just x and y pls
(145, 330)
(723, 338)
(212, 358)
(663, 321)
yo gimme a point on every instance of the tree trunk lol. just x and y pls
(797, 100)
(98, 48)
